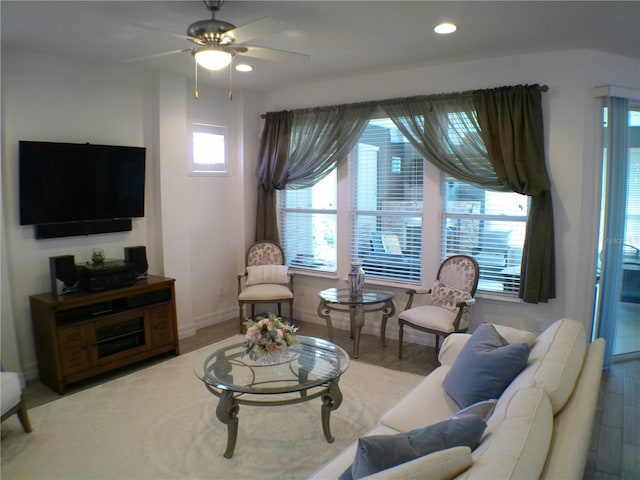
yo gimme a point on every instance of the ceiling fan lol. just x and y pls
(217, 42)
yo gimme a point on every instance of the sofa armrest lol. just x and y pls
(451, 347)
(574, 423)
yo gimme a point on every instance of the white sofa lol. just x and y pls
(541, 425)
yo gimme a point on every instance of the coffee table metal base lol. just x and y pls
(229, 407)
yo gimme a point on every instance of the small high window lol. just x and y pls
(208, 150)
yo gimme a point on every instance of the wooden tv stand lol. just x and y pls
(84, 334)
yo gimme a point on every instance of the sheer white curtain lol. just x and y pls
(614, 215)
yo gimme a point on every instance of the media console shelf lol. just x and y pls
(83, 334)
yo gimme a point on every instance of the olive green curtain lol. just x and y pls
(298, 149)
(499, 145)
(510, 120)
(445, 131)
(273, 162)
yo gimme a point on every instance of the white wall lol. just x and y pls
(570, 117)
(197, 229)
(190, 225)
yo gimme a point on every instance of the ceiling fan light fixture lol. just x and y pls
(244, 67)
(445, 28)
(212, 59)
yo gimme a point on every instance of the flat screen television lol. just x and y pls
(72, 182)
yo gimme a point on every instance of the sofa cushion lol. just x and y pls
(267, 291)
(427, 402)
(430, 316)
(517, 438)
(555, 362)
(379, 452)
(441, 465)
(485, 366)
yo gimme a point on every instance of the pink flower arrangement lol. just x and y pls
(267, 336)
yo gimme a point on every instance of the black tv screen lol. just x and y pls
(71, 182)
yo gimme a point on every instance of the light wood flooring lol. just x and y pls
(615, 442)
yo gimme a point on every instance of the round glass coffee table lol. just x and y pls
(339, 299)
(307, 370)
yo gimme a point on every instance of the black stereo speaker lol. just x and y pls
(64, 275)
(138, 257)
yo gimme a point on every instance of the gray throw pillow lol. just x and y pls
(485, 367)
(379, 452)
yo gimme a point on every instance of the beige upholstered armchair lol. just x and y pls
(451, 298)
(12, 399)
(266, 280)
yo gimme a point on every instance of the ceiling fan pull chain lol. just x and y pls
(195, 91)
(230, 95)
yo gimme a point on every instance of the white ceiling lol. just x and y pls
(343, 38)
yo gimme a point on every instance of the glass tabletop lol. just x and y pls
(343, 296)
(310, 363)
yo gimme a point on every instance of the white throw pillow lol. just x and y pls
(267, 274)
(447, 297)
(514, 335)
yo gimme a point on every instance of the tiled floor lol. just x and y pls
(615, 443)
(627, 328)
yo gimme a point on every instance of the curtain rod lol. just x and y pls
(439, 96)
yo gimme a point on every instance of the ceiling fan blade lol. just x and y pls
(159, 30)
(259, 28)
(155, 55)
(166, 32)
(275, 55)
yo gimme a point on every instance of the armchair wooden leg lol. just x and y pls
(23, 416)
(437, 344)
(241, 317)
(400, 334)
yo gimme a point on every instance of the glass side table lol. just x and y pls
(339, 299)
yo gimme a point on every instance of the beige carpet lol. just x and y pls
(159, 423)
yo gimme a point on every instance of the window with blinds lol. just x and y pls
(307, 223)
(386, 208)
(490, 227)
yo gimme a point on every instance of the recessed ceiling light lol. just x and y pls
(445, 28)
(243, 67)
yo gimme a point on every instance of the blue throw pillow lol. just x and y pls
(485, 367)
(379, 452)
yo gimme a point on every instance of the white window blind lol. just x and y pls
(307, 225)
(387, 199)
(490, 227)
